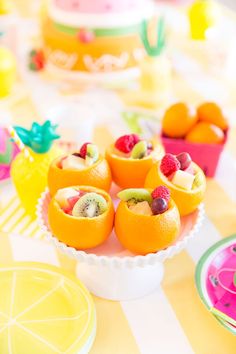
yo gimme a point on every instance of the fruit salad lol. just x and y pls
(86, 157)
(133, 147)
(180, 171)
(183, 177)
(80, 203)
(143, 202)
(130, 159)
(146, 220)
(83, 167)
(81, 216)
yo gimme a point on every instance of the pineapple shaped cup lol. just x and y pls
(29, 175)
(155, 68)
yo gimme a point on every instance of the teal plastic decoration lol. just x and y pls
(156, 50)
(40, 137)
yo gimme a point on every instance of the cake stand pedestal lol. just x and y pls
(120, 283)
(110, 271)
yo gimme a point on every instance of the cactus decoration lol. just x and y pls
(40, 137)
(157, 49)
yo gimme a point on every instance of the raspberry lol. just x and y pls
(169, 164)
(126, 142)
(83, 150)
(161, 192)
(136, 138)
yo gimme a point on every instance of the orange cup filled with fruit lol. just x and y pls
(147, 220)
(202, 132)
(86, 167)
(183, 177)
(130, 158)
(82, 217)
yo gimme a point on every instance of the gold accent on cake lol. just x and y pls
(62, 59)
(106, 62)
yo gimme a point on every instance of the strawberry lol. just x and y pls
(83, 150)
(85, 36)
(73, 200)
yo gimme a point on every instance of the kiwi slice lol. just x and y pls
(139, 150)
(92, 154)
(135, 195)
(90, 205)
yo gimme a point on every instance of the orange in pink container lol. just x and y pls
(203, 136)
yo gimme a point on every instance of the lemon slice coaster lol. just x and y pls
(44, 310)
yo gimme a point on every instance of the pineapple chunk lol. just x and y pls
(73, 163)
(141, 208)
(64, 194)
(183, 179)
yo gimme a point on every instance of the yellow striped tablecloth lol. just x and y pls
(172, 320)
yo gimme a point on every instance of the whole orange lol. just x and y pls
(81, 232)
(143, 234)
(131, 173)
(205, 133)
(98, 175)
(178, 120)
(186, 201)
(210, 112)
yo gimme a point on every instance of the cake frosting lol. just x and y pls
(99, 6)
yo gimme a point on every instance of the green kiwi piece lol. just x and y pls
(90, 205)
(135, 195)
(92, 154)
(139, 150)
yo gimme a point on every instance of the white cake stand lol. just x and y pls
(111, 272)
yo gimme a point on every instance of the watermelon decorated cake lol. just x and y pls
(95, 36)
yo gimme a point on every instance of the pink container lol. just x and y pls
(205, 155)
(8, 151)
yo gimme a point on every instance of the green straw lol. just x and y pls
(156, 50)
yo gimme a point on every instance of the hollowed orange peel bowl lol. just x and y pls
(186, 201)
(98, 175)
(130, 173)
(143, 234)
(81, 232)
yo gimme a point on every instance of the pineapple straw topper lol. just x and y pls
(39, 138)
(154, 51)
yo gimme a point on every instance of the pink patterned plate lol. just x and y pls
(8, 151)
(214, 278)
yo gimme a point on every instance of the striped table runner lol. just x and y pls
(173, 316)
